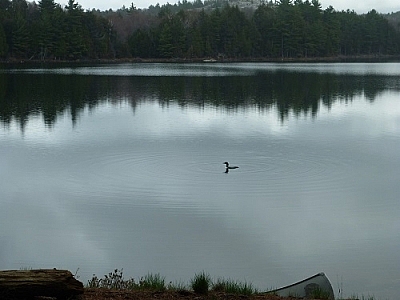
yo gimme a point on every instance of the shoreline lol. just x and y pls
(210, 60)
(109, 294)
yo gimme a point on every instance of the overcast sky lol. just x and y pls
(383, 6)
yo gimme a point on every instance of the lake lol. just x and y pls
(114, 166)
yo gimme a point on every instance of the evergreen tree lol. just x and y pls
(100, 33)
(290, 26)
(351, 33)
(265, 20)
(234, 32)
(46, 30)
(47, 6)
(76, 34)
(20, 38)
(195, 43)
(313, 35)
(332, 32)
(3, 42)
(15, 27)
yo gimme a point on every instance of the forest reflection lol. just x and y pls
(290, 93)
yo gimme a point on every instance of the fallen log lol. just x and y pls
(28, 284)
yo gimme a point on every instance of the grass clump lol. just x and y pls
(177, 286)
(152, 282)
(201, 283)
(234, 287)
(113, 281)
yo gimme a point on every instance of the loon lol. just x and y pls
(229, 167)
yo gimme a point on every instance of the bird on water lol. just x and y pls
(228, 167)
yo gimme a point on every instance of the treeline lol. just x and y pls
(288, 29)
(189, 30)
(48, 31)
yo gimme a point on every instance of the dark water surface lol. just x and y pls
(120, 166)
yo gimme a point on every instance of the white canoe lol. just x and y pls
(317, 286)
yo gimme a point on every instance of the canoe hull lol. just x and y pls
(317, 286)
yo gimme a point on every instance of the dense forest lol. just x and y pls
(193, 30)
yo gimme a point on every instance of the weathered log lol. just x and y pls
(28, 284)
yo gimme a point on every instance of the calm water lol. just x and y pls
(120, 166)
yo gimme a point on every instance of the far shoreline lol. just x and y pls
(211, 60)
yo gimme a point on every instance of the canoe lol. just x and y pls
(314, 287)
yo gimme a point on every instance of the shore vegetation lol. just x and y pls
(200, 284)
(210, 30)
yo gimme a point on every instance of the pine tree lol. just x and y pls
(75, 34)
(3, 42)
